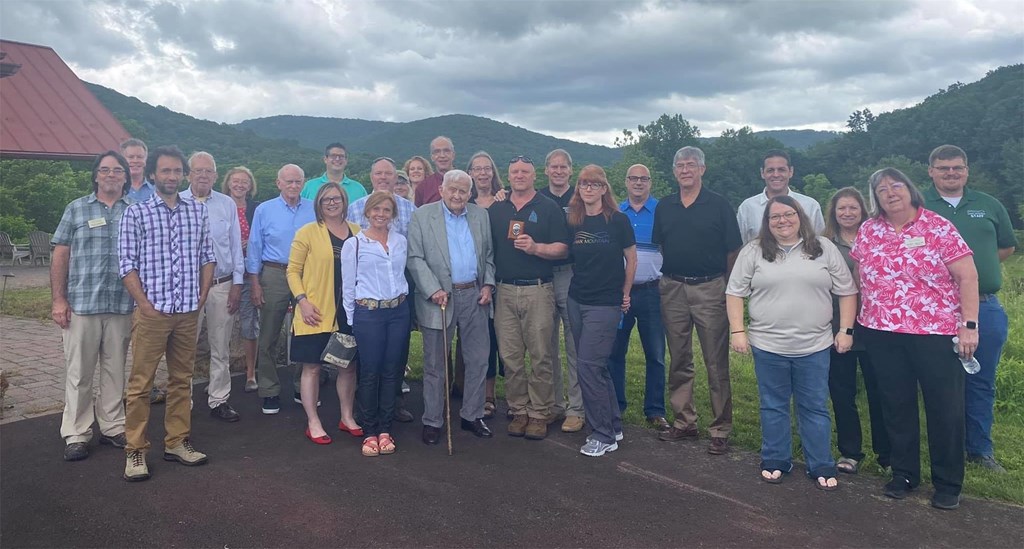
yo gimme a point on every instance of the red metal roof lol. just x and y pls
(46, 112)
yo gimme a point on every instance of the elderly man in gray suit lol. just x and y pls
(452, 261)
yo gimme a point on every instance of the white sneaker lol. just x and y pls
(596, 448)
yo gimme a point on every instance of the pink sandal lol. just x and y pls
(371, 447)
(387, 444)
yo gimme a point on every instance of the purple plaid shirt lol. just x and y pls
(168, 247)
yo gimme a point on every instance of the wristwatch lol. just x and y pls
(299, 298)
(847, 331)
(970, 325)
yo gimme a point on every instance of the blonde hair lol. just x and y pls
(238, 169)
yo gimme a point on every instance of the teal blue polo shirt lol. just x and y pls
(353, 188)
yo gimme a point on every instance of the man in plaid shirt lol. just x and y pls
(166, 263)
(92, 308)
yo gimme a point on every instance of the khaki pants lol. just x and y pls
(523, 319)
(684, 307)
(151, 338)
(219, 324)
(90, 340)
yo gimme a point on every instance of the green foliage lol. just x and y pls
(660, 140)
(631, 154)
(818, 187)
(916, 171)
(734, 164)
(16, 226)
(34, 192)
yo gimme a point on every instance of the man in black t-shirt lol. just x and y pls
(558, 168)
(529, 232)
(699, 238)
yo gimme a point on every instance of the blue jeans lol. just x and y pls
(980, 388)
(645, 312)
(805, 379)
(381, 335)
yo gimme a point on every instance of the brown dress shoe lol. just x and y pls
(718, 446)
(518, 426)
(673, 434)
(536, 429)
(659, 423)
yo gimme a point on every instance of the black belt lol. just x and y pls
(222, 279)
(647, 284)
(282, 266)
(464, 285)
(524, 281)
(694, 280)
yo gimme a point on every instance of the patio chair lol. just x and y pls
(8, 251)
(39, 247)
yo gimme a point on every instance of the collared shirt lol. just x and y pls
(428, 191)
(461, 248)
(542, 219)
(906, 286)
(751, 212)
(354, 189)
(90, 228)
(273, 228)
(984, 224)
(168, 247)
(356, 214)
(648, 256)
(144, 192)
(695, 240)
(225, 234)
(376, 274)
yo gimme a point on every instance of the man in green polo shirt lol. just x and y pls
(335, 159)
(985, 225)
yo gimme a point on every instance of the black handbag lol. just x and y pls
(341, 348)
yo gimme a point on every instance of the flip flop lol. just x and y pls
(847, 465)
(824, 487)
(772, 480)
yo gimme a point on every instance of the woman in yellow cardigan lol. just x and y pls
(314, 277)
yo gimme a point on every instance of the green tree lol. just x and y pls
(818, 187)
(660, 140)
(734, 163)
(617, 174)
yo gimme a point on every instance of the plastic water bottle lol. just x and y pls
(971, 365)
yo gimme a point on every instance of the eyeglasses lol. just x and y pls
(635, 178)
(379, 158)
(481, 169)
(107, 171)
(330, 200)
(337, 156)
(520, 158)
(203, 171)
(947, 169)
(893, 187)
(775, 218)
(590, 184)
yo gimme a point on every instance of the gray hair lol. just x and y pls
(916, 198)
(689, 153)
(133, 142)
(285, 167)
(202, 154)
(451, 176)
(558, 152)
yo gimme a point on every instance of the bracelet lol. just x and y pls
(737, 332)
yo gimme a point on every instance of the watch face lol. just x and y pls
(971, 325)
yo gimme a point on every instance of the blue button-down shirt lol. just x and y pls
(460, 246)
(225, 234)
(356, 212)
(90, 229)
(168, 247)
(648, 256)
(273, 229)
(145, 192)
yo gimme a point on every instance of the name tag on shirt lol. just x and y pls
(915, 242)
(98, 222)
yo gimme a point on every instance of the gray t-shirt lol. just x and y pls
(790, 298)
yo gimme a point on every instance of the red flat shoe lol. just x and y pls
(357, 432)
(318, 440)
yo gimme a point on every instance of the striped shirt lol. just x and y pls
(168, 247)
(648, 255)
(357, 214)
(90, 229)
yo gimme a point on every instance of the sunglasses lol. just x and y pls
(520, 158)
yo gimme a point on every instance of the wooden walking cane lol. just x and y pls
(447, 388)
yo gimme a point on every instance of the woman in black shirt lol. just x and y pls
(604, 249)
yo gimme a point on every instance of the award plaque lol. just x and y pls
(516, 228)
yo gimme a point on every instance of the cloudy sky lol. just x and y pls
(578, 69)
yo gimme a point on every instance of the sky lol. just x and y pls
(582, 70)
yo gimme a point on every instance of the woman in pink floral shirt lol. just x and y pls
(919, 288)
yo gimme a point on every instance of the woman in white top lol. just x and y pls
(374, 297)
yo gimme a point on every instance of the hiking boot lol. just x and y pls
(117, 441)
(518, 426)
(674, 434)
(572, 424)
(536, 429)
(718, 446)
(185, 454)
(596, 448)
(986, 462)
(135, 466)
(76, 451)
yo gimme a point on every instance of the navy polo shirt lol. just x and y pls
(695, 240)
(543, 220)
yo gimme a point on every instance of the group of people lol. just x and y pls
(448, 252)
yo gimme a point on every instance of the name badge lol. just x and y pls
(98, 222)
(915, 242)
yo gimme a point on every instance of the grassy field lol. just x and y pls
(1008, 432)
